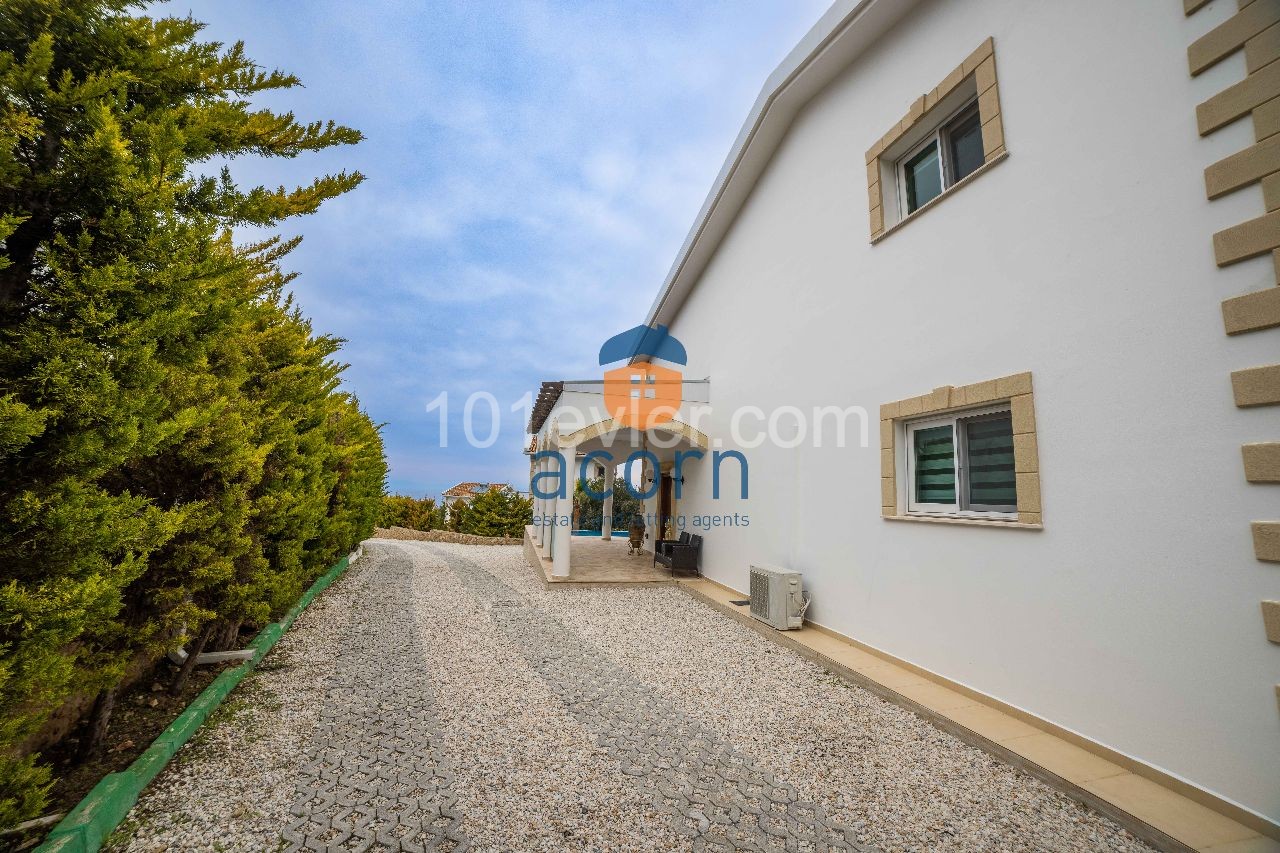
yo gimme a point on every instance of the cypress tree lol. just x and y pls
(175, 456)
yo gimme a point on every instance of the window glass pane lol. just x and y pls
(935, 464)
(966, 145)
(923, 174)
(989, 452)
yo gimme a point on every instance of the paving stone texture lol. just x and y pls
(439, 697)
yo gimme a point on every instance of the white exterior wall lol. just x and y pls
(1084, 258)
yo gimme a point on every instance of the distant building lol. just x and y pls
(467, 492)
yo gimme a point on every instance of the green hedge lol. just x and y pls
(177, 457)
(96, 816)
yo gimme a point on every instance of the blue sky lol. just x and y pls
(532, 168)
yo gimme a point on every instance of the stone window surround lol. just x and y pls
(980, 67)
(1017, 390)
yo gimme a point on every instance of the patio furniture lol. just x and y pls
(680, 556)
(662, 544)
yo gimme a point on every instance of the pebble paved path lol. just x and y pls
(373, 776)
(440, 698)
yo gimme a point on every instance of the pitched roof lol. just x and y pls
(847, 29)
(467, 490)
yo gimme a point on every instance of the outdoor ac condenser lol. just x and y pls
(777, 597)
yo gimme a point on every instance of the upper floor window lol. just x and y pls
(945, 157)
(948, 135)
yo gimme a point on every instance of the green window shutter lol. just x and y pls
(935, 465)
(989, 451)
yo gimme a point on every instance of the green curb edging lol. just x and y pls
(96, 816)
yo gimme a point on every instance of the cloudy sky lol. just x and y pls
(532, 168)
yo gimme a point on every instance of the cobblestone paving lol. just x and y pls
(372, 777)
(438, 697)
(717, 797)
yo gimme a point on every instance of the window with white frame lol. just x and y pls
(945, 157)
(962, 465)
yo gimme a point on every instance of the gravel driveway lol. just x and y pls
(440, 698)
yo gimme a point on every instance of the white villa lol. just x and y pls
(1028, 253)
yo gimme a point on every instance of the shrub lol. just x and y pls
(411, 513)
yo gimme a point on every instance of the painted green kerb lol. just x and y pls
(96, 816)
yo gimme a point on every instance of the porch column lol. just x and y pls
(542, 506)
(564, 511)
(606, 523)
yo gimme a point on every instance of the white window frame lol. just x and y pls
(960, 508)
(941, 136)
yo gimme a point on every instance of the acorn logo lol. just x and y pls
(642, 394)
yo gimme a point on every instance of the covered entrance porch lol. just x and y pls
(561, 553)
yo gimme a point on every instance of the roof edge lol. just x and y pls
(842, 34)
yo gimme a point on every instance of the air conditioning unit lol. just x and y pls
(777, 597)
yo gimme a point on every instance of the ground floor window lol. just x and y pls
(962, 465)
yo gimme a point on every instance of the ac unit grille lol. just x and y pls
(777, 597)
(759, 594)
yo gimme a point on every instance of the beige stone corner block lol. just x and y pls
(1231, 35)
(1256, 386)
(985, 74)
(1236, 100)
(1271, 620)
(989, 104)
(1028, 492)
(877, 219)
(911, 406)
(1242, 168)
(1012, 386)
(888, 511)
(1266, 540)
(959, 396)
(873, 173)
(886, 434)
(1271, 191)
(1026, 454)
(950, 82)
(887, 467)
(1262, 462)
(916, 110)
(888, 491)
(1247, 240)
(1023, 414)
(890, 137)
(874, 151)
(873, 193)
(1263, 48)
(937, 400)
(992, 136)
(1030, 517)
(1252, 311)
(987, 48)
(981, 392)
(931, 99)
(888, 410)
(1266, 119)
